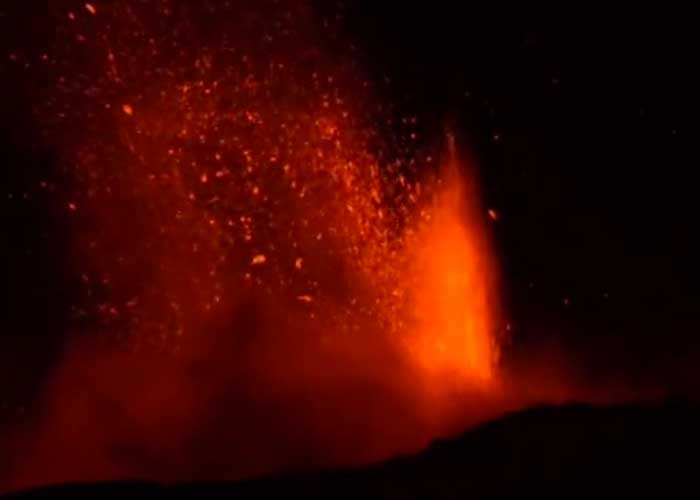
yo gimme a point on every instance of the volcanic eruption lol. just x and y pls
(267, 280)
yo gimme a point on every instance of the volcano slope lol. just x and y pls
(570, 450)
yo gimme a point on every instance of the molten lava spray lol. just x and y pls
(454, 285)
(266, 282)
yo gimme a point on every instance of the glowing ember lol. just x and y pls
(259, 259)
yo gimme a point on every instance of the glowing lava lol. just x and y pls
(455, 305)
(262, 286)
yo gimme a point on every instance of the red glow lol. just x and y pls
(455, 302)
(304, 305)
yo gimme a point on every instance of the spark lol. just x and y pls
(128, 109)
(91, 8)
(259, 259)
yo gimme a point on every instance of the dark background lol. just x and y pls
(581, 125)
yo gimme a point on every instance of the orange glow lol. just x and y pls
(259, 259)
(201, 322)
(455, 301)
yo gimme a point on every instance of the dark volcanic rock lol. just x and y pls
(564, 451)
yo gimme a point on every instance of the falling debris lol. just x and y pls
(259, 259)
(128, 109)
(91, 8)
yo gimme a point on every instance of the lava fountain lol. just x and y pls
(455, 284)
(266, 282)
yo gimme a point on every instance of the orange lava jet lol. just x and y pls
(263, 288)
(455, 306)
